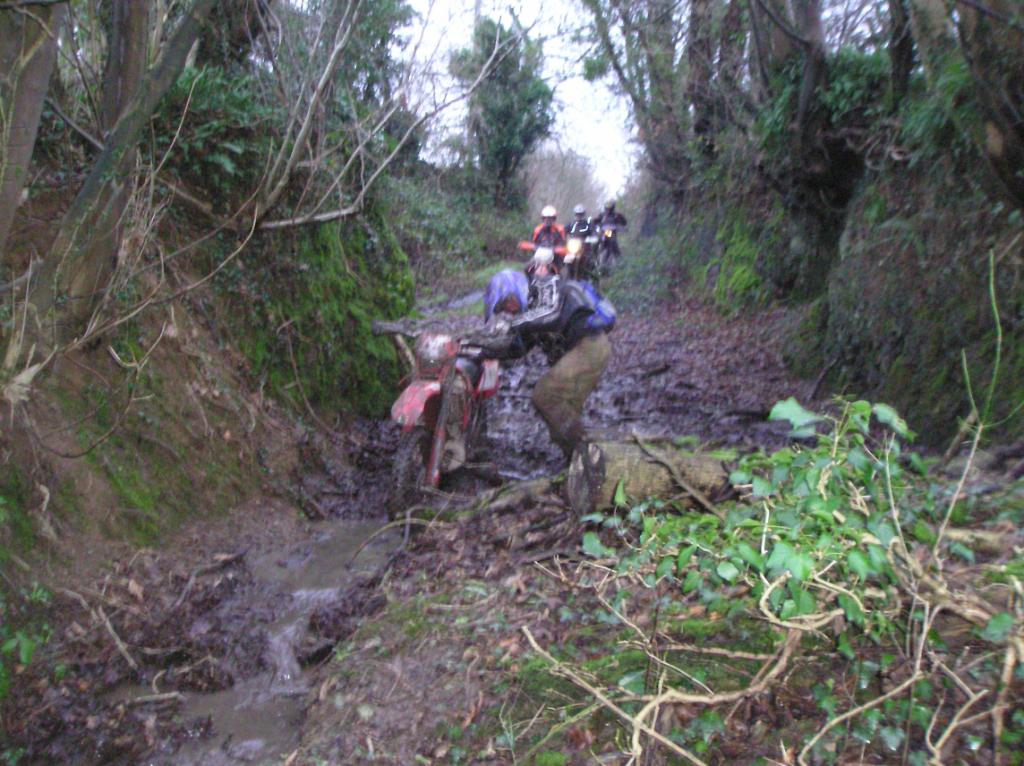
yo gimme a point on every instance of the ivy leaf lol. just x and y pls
(633, 682)
(998, 628)
(739, 477)
(684, 558)
(592, 546)
(694, 580)
(752, 557)
(852, 609)
(800, 565)
(728, 571)
(891, 418)
(805, 603)
(225, 162)
(665, 567)
(844, 647)
(859, 563)
(620, 493)
(781, 553)
(26, 648)
(891, 737)
(924, 533)
(762, 487)
(860, 415)
(791, 410)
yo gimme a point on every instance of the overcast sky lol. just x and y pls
(591, 120)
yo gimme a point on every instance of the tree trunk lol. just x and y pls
(731, 43)
(994, 50)
(901, 52)
(645, 470)
(28, 50)
(929, 20)
(812, 82)
(699, 58)
(127, 56)
(91, 209)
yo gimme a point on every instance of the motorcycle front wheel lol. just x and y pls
(407, 471)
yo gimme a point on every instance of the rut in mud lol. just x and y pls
(202, 654)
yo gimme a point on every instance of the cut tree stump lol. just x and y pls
(646, 468)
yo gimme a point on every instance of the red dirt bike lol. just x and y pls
(441, 410)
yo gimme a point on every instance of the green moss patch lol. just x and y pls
(303, 314)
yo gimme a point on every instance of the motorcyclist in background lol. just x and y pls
(580, 226)
(549, 233)
(583, 229)
(570, 321)
(613, 218)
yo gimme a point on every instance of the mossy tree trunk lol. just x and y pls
(993, 45)
(127, 55)
(56, 301)
(933, 34)
(643, 470)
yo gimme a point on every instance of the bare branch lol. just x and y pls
(10, 5)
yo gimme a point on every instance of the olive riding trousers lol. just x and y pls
(563, 390)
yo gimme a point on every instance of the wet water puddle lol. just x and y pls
(258, 719)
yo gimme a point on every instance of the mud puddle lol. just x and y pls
(258, 719)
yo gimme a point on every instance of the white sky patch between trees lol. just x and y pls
(591, 120)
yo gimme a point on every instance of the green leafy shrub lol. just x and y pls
(936, 121)
(449, 225)
(856, 80)
(853, 96)
(21, 634)
(214, 128)
(839, 539)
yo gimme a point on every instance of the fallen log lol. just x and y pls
(646, 469)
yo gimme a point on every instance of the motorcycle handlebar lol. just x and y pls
(530, 247)
(382, 327)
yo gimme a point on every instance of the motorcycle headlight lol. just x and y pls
(434, 349)
(574, 246)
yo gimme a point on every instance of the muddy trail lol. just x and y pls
(210, 651)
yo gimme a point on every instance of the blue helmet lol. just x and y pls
(507, 283)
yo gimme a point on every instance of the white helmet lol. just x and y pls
(548, 212)
(579, 210)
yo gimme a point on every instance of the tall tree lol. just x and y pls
(55, 313)
(128, 36)
(992, 42)
(987, 38)
(28, 50)
(510, 113)
(640, 42)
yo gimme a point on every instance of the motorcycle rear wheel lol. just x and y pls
(407, 471)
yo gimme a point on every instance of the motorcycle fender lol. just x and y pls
(408, 409)
(488, 385)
